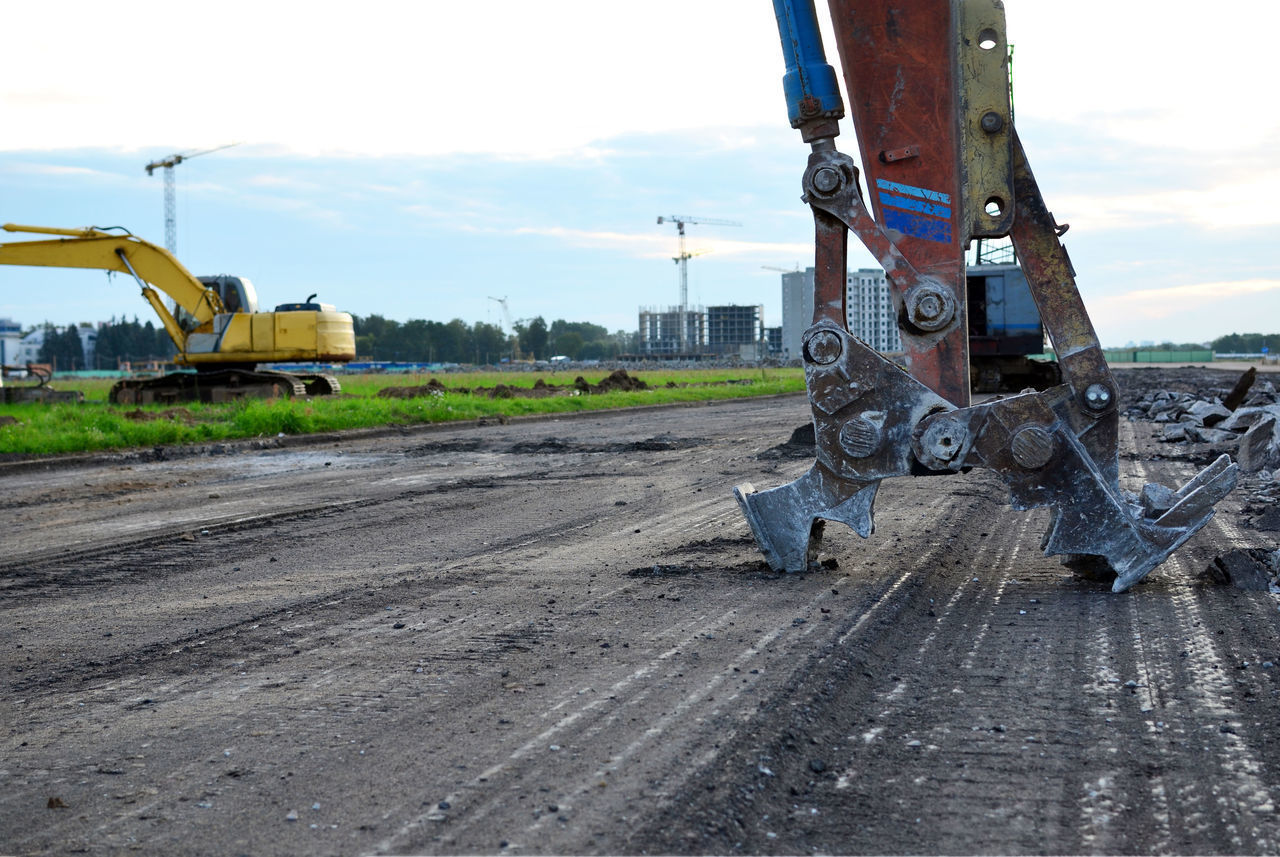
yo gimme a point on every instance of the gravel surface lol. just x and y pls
(557, 637)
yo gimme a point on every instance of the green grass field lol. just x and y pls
(96, 425)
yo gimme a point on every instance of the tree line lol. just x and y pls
(116, 341)
(377, 338)
(422, 341)
(1247, 343)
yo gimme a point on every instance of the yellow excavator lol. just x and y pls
(216, 326)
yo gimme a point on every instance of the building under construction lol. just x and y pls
(672, 332)
(701, 332)
(736, 330)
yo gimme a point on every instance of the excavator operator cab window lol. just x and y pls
(231, 297)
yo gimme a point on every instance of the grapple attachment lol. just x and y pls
(929, 81)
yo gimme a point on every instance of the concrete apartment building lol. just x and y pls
(869, 309)
(728, 330)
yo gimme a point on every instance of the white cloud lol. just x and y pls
(1165, 302)
(1239, 203)
(655, 246)
(398, 77)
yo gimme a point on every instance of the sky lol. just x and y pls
(418, 159)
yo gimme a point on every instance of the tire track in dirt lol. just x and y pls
(1041, 718)
(190, 700)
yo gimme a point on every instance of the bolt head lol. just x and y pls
(1032, 447)
(992, 122)
(944, 440)
(930, 308)
(823, 348)
(826, 180)
(1097, 397)
(860, 437)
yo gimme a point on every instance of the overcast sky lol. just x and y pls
(415, 159)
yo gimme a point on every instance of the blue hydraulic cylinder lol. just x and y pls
(810, 82)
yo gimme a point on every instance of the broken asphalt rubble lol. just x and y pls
(1247, 419)
(1245, 423)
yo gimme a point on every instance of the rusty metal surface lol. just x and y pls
(897, 59)
(937, 140)
(986, 119)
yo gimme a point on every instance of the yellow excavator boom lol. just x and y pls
(209, 334)
(153, 267)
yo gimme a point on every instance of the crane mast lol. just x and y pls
(682, 259)
(170, 196)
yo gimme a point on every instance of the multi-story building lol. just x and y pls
(735, 330)
(797, 310)
(660, 331)
(869, 309)
(869, 312)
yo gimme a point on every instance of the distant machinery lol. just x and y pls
(684, 256)
(170, 203)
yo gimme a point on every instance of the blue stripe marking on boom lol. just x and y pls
(918, 225)
(912, 190)
(915, 205)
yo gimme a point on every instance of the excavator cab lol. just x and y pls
(237, 293)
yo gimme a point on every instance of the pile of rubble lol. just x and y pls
(1245, 422)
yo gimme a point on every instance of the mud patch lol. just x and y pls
(433, 387)
(617, 381)
(721, 543)
(757, 568)
(441, 447)
(801, 444)
(557, 446)
(491, 647)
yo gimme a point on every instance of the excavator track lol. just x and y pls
(226, 385)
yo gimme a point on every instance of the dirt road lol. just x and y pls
(557, 637)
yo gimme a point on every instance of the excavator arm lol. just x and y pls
(226, 347)
(943, 165)
(155, 270)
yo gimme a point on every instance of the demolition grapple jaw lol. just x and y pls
(873, 421)
(943, 165)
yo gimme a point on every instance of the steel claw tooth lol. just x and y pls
(1192, 510)
(787, 521)
(1202, 493)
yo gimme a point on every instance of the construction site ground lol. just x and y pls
(557, 636)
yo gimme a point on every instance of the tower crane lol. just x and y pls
(170, 206)
(683, 260)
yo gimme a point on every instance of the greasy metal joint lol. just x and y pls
(1032, 447)
(823, 348)
(826, 180)
(930, 308)
(943, 441)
